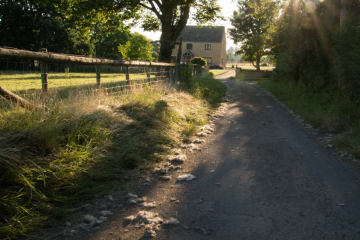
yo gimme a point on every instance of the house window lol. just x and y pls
(207, 46)
(208, 60)
(189, 46)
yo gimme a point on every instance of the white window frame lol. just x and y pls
(208, 46)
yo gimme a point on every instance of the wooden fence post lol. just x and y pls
(148, 74)
(127, 75)
(176, 74)
(44, 75)
(98, 77)
(170, 74)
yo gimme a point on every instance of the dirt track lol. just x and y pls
(260, 175)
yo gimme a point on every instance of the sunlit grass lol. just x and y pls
(21, 82)
(249, 67)
(87, 144)
(218, 71)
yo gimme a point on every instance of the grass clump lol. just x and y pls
(207, 88)
(329, 110)
(86, 145)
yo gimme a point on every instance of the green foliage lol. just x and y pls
(76, 27)
(252, 26)
(32, 26)
(203, 87)
(347, 61)
(137, 48)
(328, 110)
(312, 49)
(198, 60)
(108, 45)
(208, 88)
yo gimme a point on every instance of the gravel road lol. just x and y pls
(259, 175)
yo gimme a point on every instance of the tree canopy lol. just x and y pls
(137, 47)
(318, 44)
(252, 23)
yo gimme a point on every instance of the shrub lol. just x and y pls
(198, 60)
(263, 65)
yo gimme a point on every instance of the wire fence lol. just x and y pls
(34, 76)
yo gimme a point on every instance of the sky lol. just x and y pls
(228, 6)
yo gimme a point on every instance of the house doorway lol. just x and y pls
(188, 56)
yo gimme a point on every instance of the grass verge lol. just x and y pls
(84, 146)
(216, 72)
(328, 110)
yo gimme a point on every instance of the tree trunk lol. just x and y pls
(171, 32)
(258, 58)
(342, 14)
(166, 44)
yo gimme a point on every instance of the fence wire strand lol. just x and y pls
(25, 78)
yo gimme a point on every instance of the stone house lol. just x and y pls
(206, 42)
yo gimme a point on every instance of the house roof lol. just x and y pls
(202, 34)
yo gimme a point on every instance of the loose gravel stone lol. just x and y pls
(131, 195)
(172, 221)
(186, 177)
(178, 158)
(167, 178)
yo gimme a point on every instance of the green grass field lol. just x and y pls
(24, 82)
(218, 71)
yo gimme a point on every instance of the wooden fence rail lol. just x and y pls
(45, 58)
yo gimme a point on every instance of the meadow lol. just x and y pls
(32, 81)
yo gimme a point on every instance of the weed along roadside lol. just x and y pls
(54, 161)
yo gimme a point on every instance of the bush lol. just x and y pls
(263, 65)
(199, 60)
(207, 88)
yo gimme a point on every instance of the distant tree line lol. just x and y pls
(71, 27)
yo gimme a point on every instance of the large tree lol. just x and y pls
(171, 16)
(252, 22)
(137, 48)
